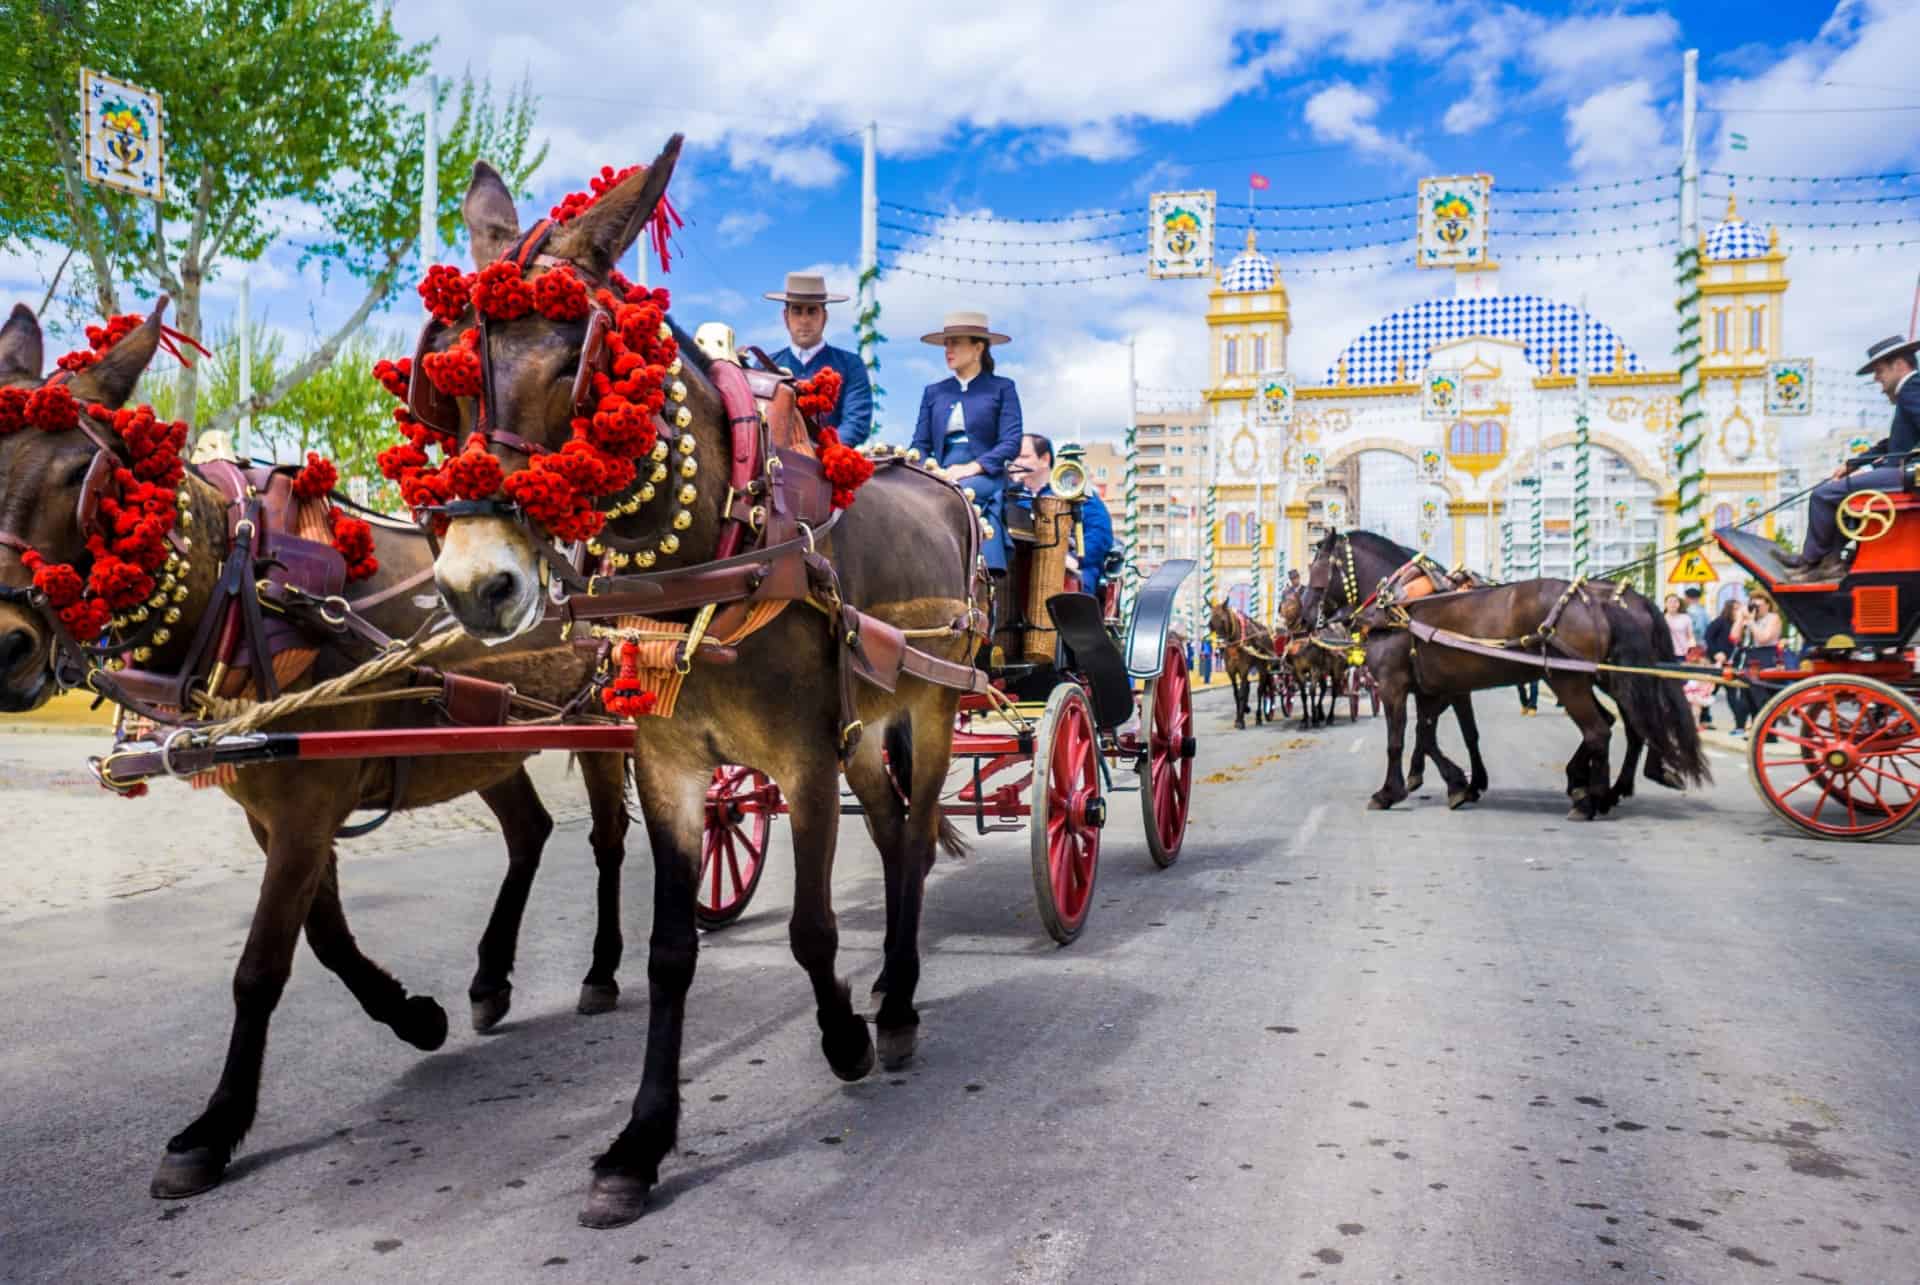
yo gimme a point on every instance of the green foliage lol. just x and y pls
(293, 122)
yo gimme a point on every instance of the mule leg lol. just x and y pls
(606, 780)
(525, 824)
(1393, 701)
(1470, 733)
(1575, 693)
(297, 854)
(813, 932)
(417, 1019)
(673, 795)
(1239, 684)
(1427, 711)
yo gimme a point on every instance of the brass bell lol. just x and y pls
(677, 391)
(682, 520)
(659, 449)
(172, 616)
(675, 368)
(658, 473)
(139, 615)
(143, 654)
(180, 593)
(644, 558)
(689, 466)
(161, 637)
(687, 493)
(646, 494)
(685, 444)
(622, 560)
(682, 417)
(669, 543)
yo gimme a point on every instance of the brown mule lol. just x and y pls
(903, 552)
(1249, 653)
(295, 810)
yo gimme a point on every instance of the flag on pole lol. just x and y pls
(1258, 182)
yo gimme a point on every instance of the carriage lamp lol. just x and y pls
(687, 493)
(669, 543)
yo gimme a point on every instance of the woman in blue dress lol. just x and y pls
(969, 428)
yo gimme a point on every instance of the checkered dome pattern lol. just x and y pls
(1249, 272)
(1736, 239)
(1395, 348)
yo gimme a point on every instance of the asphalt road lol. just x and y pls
(1495, 1045)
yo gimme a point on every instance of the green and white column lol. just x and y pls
(1690, 428)
(866, 317)
(1582, 457)
(1130, 516)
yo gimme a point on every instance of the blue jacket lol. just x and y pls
(1904, 436)
(990, 406)
(853, 417)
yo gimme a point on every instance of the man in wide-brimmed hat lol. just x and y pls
(1882, 467)
(969, 426)
(805, 303)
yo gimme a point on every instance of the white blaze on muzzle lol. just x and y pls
(488, 574)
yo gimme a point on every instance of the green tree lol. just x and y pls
(287, 121)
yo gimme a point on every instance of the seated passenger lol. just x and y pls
(969, 426)
(1033, 469)
(1882, 467)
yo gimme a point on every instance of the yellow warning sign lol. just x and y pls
(1693, 568)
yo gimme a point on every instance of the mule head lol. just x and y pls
(41, 478)
(489, 570)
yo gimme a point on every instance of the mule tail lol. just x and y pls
(1655, 707)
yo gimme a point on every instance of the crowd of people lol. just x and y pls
(1747, 633)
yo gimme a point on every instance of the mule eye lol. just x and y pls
(77, 473)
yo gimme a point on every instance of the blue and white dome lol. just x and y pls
(1735, 238)
(1250, 271)
(1395, 347)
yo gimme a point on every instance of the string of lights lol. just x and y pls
(1763, 199)
(1890, 177)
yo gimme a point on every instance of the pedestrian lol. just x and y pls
(1699, 694)
(1760, 650)
(1679, 625)
(1697, 613)
(1725, 639)
(1206, 661)
(1529, 697)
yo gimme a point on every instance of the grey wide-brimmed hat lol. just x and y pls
(1891, 346)
(806, 287)
(965, 325)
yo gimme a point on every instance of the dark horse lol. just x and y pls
(902, 552)
(1252, 662)
(1318, 661)
(1450, 644)
(295, 809)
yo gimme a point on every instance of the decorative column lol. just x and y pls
(1130, 495)
(1690, 447)
(1582, 461)
(866, 319)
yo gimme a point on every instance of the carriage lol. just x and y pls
(1836, 750)
(1080, 697)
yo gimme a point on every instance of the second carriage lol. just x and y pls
(1081, 699)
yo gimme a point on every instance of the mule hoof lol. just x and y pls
(488, 1013)
(423, 1023)
(598, 997)
(1577, 793)
(1580, 812)
(860, 1066)
(1378, 804)
(187, 1173)
(1415, 781)
(1473, 794)
(1457, 799)
(614, 1200)
(897, 1045)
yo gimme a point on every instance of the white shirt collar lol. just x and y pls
(807, 354)
(964, 382)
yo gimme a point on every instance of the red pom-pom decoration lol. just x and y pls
(52, 408)
(395, 376)
(456, 372)
(473, 474)
(623, 696)
(353, 538)
(501, 292)
(446, 292)
(559, 295)
(317, 478)
(13, 410)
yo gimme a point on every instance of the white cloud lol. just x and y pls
(1342, 113)
(740, 226)
(1616, 131)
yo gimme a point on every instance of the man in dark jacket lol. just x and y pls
(804, 310)
(1881, 468)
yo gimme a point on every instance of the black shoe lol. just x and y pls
(1798, 561)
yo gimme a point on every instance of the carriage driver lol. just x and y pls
(1882, 467)
(804, 310)
(1033, 469)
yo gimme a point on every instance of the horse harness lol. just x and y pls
(775, 521)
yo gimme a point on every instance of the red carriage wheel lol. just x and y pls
(1286, 695)
(1166, 770)
(733, 855)
(1839, 757)
(1067, 812)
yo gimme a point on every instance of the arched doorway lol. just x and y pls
(1622, 522)
(1390, 498)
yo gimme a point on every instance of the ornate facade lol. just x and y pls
(1441, 423)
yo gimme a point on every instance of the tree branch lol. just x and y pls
(322, 356)
(105, 290)
(54, 284)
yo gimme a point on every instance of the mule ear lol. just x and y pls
(111, 380)
(21, 349)
(600, 236)
(493, 225)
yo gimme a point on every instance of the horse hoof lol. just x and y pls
(859, 1069)
(614, 1200)
(598, 997)
(489, 1012)
(187, 1173)
(1377, 803)
(1577, 793)
(1457, 799)
(1473, 794)
(423, 1023)
(1415, 781)
(897, 1045)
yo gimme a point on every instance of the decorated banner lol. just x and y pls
(1622, 510)
(1310, 471)
(1276, 398)
(1790, 386)
(121, 136)
(1858, 445)
(1180, 234)
(1336, 513)
(1432, 468)
(1441, 396)
(1453, 220)
(1429, 510)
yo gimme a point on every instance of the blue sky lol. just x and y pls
(1042, 108)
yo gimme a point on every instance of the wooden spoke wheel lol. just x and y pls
(1067, 812)
(733, 855)
(1839, 757)
(1166, 769)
